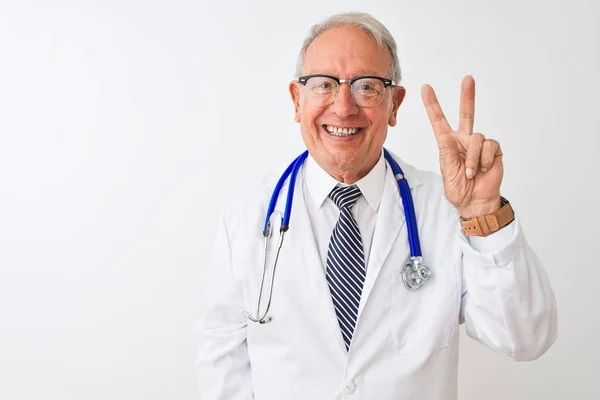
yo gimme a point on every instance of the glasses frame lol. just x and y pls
(386, 83)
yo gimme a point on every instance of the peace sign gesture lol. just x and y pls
(471, 165)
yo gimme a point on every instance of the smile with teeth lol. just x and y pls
(340, 132)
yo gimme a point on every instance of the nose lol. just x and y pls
(344, 105)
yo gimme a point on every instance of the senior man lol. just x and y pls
(343, 323)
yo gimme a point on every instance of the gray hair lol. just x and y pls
(364, 21)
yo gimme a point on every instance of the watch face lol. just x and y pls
(503, 201)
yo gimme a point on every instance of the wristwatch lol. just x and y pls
(487, 224)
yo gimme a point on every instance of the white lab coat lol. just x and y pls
(405, 344)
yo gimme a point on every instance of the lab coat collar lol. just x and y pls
(411, 175)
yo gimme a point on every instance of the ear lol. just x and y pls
(295, 93)
(397, 98)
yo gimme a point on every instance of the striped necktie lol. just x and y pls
(346, 262)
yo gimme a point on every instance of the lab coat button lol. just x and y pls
(350, 387)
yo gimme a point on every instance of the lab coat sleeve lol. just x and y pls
(222, 361)
(507, 302)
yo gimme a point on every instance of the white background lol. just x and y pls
(125, 126)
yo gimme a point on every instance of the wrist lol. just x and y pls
(479, 209)
(489, 223)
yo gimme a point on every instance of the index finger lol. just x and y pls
(467, 106)
(436, 116)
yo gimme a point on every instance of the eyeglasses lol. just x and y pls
(323, 90)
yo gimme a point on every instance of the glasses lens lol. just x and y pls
(368, 92)
(321, 91)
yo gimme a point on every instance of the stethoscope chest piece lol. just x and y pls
(415, 273)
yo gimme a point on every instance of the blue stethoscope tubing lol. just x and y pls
(407, 201)
(414, 272)
(292, 169)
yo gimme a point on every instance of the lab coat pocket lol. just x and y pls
(425, 320)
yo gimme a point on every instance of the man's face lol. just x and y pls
(346, 52)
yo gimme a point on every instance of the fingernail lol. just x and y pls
(484, 169)
(469, 173)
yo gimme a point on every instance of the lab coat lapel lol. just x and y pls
(305, 252)
(389, 230)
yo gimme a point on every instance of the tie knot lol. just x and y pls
(345, 196)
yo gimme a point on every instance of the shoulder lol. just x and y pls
(427, 187)
(246, 209)
(419, 178)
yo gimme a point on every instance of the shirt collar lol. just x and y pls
(319, 183)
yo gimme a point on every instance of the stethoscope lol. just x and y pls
(414, 273)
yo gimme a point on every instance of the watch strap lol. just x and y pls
(487, 224)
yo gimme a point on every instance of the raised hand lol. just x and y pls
(471, 165)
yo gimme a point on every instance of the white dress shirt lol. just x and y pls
(323, 212)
